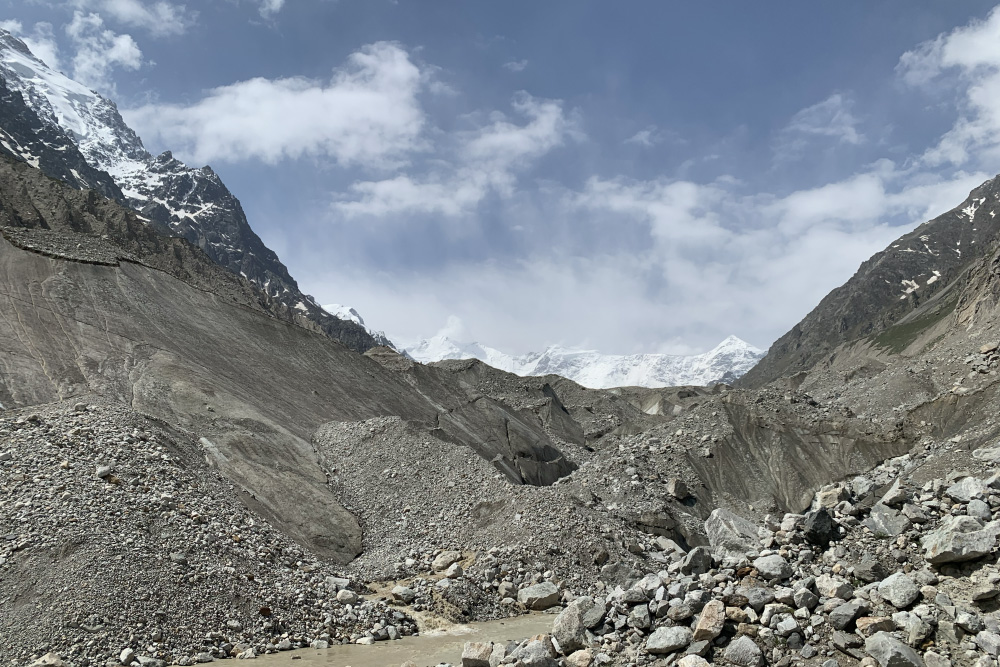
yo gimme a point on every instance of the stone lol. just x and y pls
(710, 622)
(989, 642)
(593, 615)
(668, 640)
(896, 495)
(828, 498)
(870, 571)
(638, 618)
(404, 594)
(334, 584)
(445, 559)
(539, 596)
(890, 652)
(899, 589)
(693, 661)
(966, 489)
(773, 567)
(678, 489)
(959, 539)
(884, 521)
(979, 509)
(842, 616)
(834, 587)
(932, 659)
(347, 597)
(127, 656)
(581, 658)
(569, 629)
(454, 571)
(744, 652)
(819, 528)
(319, 644)
(804, 598)
(730, 534)
(869, 625)
(283, 645)
(477, 654)
(696, 561)
(103, 472)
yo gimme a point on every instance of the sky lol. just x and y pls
(627, 177)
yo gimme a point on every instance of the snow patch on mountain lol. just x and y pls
(349, 314)
(725, 363)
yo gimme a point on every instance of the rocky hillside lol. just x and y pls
(889, 286)
(47, 115)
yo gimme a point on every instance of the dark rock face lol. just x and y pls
(25, 137)
(887, 287)
(79, 137)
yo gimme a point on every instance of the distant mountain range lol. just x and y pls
(725, 363)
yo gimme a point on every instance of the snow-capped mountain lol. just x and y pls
(726, 362)
(192, 203)
(348, 314)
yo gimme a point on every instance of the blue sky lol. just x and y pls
(645, 179)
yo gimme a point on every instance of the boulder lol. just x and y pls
(477, 654)
(445, 559)
(404, 594)
(697, 561)
(899, 589)
(569, 629)
(730, 534)
(966, 489)
(539, 596)
(890, 652)
(744, 652)
(668, 640)
(710, 622)
(958, 539)
(886, 522)
(819, 528)
(773, 567)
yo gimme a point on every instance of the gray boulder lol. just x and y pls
(730, 534)
(668, 640)
(697, 561)
(773, 567)
(899, 590)
(743, 652)
(886, 522)
(890, 652)
(966, 489)
(958, 539)
(540, 596)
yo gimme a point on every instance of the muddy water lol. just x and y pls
(430, 648)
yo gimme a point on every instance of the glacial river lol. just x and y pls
(430, 648)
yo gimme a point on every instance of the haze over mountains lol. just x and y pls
(725, 363)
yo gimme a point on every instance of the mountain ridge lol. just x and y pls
(723, 364)
(192, 203)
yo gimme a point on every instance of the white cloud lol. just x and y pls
(160, 17)
(830, 120)
(486, 160)
(973, 53)
(368, 114)
(516, 65)
(99, 50)
(41, 40)
(648, 137)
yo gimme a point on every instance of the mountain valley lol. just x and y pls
(199, 462)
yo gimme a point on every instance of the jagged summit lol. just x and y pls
(725, 363)
(192, 203)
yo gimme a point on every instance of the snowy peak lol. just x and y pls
(84, 141)
(725, 363)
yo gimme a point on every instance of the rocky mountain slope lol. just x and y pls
(725, 363)
(888, 286)
(192, 203)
